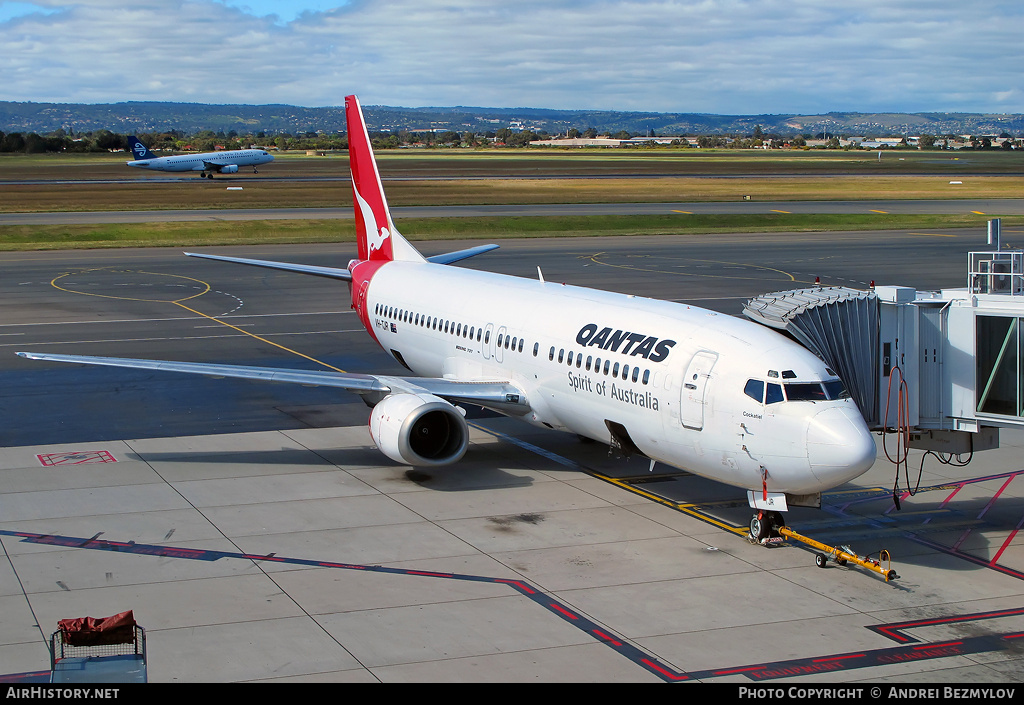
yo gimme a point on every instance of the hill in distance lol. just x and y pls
(190, 118)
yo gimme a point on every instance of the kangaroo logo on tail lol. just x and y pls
(375, 235)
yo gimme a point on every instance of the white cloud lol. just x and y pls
(721, 56)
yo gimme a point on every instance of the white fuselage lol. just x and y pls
(203, 162)
(680, 381)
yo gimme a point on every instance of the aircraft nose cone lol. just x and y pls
(839, 445)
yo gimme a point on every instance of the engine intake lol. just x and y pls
(419, 429)
(229, 169)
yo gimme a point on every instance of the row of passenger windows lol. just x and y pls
(462, 330)
(594, 364)
(771, 393)
(514, 343)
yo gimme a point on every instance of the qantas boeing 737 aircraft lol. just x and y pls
(207, 163)
(719, 396)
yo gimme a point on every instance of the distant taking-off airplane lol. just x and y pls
(207, 163)
(719, 396)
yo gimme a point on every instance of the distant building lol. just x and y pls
(606, 142)
(887, 142)
(578, 142)
(638, 141)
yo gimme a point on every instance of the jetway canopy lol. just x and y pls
(951, 362)
(838, 324)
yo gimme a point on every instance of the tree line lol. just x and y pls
(208, 141)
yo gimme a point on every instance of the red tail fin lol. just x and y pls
(378, 237)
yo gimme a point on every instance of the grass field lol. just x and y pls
(44, 183)
(44, 237)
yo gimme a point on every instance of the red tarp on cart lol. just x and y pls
(92, 631)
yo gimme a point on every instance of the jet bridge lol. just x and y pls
(946, 367)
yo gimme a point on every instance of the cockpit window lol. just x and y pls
(773, 394)
(816, 391)
(835, 389)
(754, 390)
(805, 391)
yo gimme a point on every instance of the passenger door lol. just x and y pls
(694, 390)
(499, 350)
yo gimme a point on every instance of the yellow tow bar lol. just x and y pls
(843, 555)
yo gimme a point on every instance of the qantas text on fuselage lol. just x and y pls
(647, 346)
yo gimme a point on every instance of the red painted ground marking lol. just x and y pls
(85, 457)
(518, 584)
(667, 674)
(963, 537)
(564, 611)
(1009, 539)
(995, 497)
(837, 658)
(894, 631)
(610, 640)
(945, 501)
(428, 574)
(893, 507)
(739, 670)
(951, 495)
(938, 646)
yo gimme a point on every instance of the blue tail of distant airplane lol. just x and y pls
(139, 150)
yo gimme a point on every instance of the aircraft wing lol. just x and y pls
(212, 166)
(498, 395)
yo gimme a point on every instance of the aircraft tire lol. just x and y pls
(759, 527)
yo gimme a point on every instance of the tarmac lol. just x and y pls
(304, 555)
(261, 537)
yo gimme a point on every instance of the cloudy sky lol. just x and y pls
(710, 56)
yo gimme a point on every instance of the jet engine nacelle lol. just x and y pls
(419, 429)
(229, 169)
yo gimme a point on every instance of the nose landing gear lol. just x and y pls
(764, 528)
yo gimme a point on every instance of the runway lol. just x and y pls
(259, 537)
(995, 207)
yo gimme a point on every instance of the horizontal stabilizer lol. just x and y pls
(330, 272)
(460, 255)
